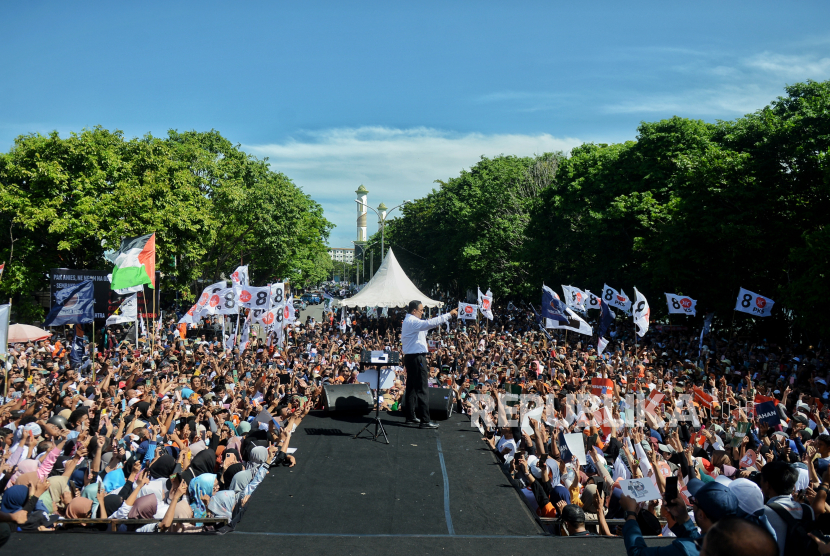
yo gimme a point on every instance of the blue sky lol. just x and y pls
(396, 96)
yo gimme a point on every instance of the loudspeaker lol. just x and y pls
(348, 398)
(440, 403)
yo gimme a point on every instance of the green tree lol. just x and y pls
(64, 201)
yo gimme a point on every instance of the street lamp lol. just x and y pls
(382, 220)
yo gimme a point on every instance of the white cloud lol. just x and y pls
(716, 101)
(393, 164)
(799, 68)
(732, 87)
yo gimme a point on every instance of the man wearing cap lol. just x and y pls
(711, 503)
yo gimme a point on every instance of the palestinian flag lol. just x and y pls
(135, 263)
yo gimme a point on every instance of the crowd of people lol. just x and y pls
(171, 434)
(187, 428)
(735, 473)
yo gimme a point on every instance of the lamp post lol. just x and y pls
(382, 220)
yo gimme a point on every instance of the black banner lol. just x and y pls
(106, 300)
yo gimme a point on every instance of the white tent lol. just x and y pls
(389, 287)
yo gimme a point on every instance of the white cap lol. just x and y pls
(749, 495)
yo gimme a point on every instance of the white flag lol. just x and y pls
(485, 302)
(240, 276)
(278, 294)
(230, 341)
(5, 315)
(754, 304)
(575, 323)
(195, 313)
(267, 316)
(592, 301)
(343, 321)
(574, 297)
(467, 311)
(252, 297)
(616, 298)
(682, 304)
(289, 314)
(602, 343)
(244, 337)
(126, 312)
(222, 302)
(641, 313)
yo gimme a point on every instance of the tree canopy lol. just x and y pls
(64, 201)
(687, 207)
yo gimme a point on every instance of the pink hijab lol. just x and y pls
(25, 466)
(144, 508)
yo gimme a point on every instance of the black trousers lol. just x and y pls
(417, 382)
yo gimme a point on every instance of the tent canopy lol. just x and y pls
(389, 287)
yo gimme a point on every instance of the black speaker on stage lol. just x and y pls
(348, 398)
(440, 403)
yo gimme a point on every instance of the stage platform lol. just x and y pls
(428, 492)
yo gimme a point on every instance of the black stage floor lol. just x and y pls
(427, 492)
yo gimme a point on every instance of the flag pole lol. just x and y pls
(6, 357)
(634, 322)
(153, 333)
(144, 299)
(93, 347)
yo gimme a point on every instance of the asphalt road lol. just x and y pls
(315, 311)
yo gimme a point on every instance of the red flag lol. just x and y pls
(602, 387)
(655, 398)
(703, 398)
(761, 399)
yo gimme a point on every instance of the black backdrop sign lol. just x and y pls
(106, 300)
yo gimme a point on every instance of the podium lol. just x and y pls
(379, 360)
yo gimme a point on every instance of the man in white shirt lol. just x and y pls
(414, 341)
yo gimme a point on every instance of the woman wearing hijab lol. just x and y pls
(240, 482)
(144, 507)
(25, 466)
(90, 492)
(163, 467)
(14, 499)
(114, 480)
(258, 464)
(222, 504)
(203, 462)
(79, 508)
(58, 496)
(111, 504)
(234, 443)
(230, 473)
(201, 489)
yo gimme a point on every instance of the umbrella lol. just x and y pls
(19, 333)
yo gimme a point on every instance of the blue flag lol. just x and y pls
(76, 352)
(73, 305)
(605, 319)
(552, 306)
(767, 413)
(707, 324)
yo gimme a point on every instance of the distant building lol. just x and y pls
(363, 197)
(341, 254)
